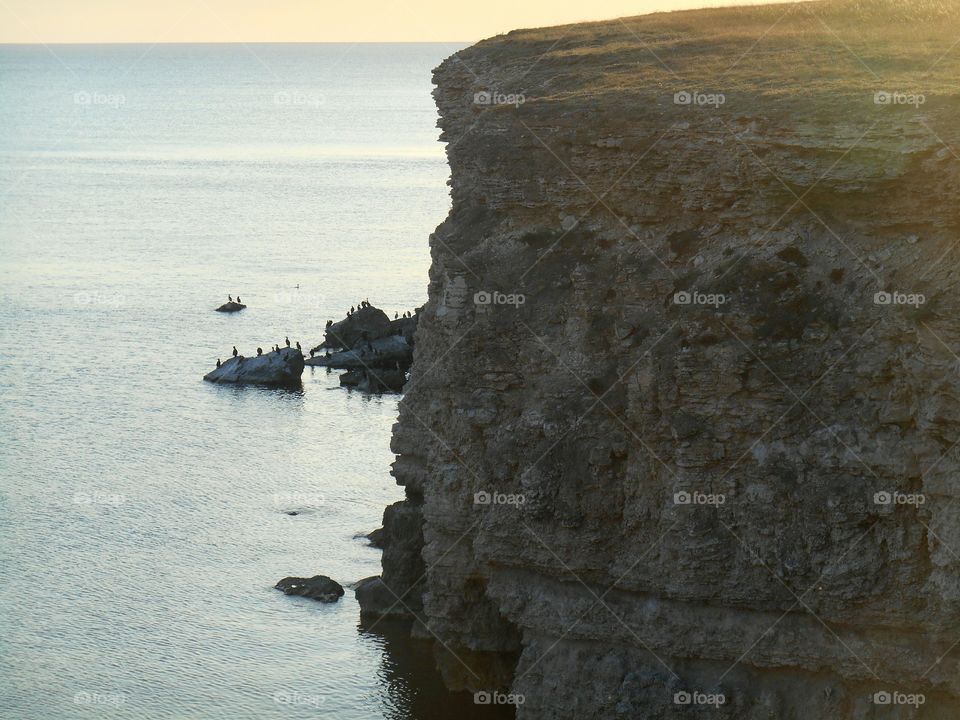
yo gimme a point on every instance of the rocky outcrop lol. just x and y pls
(231, 307)
(682, 420)
(386, 352)
(377, 601)
(318, 587)
(366, 323)
(376, 352)
(273, 368)
(406, 327)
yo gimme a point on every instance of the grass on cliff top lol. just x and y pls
(826, 48)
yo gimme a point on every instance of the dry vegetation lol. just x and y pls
(806, 54)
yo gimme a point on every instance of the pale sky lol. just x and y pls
(149, 21)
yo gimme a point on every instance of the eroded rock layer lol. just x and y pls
(683, 412)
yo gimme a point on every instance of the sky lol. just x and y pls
(149, 21)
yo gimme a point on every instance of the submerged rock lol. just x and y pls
(318, 587)
(231, 307)
(380, 381)
(374, 381)
(351, 378)
(272, 368)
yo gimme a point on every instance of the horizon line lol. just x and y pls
(41, 43)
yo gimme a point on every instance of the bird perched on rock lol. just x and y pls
(235, 353)
(288, 342)
(238, 298)
(351, 309)
(229, 298)
(396, 315)
(218, 362)
(298, 346)
(259, 351)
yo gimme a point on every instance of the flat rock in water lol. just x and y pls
(231, 307)
(318, 587)
(272, 368)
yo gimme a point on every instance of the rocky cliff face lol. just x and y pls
(680, 438)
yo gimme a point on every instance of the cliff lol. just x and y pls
(682, 417)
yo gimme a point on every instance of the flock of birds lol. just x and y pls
(276, 348)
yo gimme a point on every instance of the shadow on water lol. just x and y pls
(412, 683)
(239, 390)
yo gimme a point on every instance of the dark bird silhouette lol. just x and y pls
(238, 298)
(288, 342)
(311, 353)
(229, 298)
(218, 362)
(396, 315)
(259, 351)
(351, 309)
(235, 353)
(298, 346)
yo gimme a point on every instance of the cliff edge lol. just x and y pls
(680, 435)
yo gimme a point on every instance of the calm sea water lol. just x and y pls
(142, 511)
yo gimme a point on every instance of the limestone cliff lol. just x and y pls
(684, 405)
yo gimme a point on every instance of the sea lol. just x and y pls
(144, 513)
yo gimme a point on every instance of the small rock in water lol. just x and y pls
(377, 538)
(318, 587)
(231, 307)
(378, 601)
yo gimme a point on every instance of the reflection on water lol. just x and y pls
(412, 686)
(143, 511)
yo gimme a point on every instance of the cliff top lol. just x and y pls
(845, 48)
